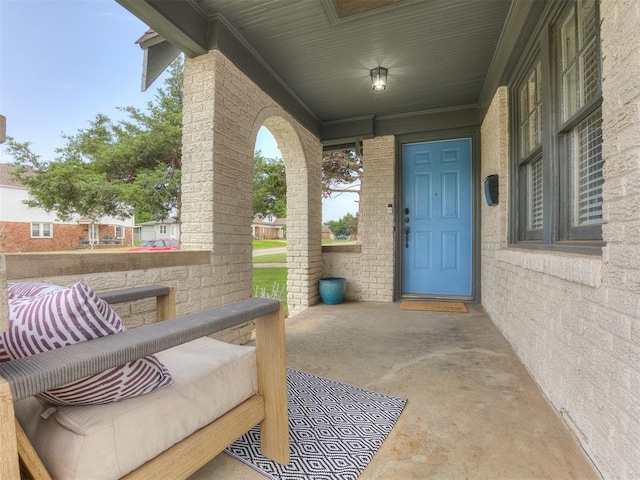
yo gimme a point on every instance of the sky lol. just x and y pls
(64, 61)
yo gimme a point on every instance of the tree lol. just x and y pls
(346, 226)
(269, 186)
(341, 172)
(113, 168)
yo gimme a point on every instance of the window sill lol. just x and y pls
(576, 268)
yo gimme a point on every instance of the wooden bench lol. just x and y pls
(28, 376)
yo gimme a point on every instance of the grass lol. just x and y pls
(258, 244)
(271, 258)
(271, 283)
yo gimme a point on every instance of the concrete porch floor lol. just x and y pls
(474, 412)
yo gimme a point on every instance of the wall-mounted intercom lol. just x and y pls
(491, 192)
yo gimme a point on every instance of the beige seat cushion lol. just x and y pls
(108, 441)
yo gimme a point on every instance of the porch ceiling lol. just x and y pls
(314, 56)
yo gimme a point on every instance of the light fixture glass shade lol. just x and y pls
(379, 79)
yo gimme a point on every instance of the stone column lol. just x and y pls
(223, 110)
(376, 225)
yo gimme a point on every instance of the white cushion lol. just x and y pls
(98, 442)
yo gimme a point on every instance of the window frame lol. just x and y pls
(118, 231)
(521, 162)
(41, 229)
(557, 233)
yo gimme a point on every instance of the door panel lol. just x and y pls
(436, 222)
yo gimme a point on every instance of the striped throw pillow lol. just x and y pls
(68, 316)
(21, 290)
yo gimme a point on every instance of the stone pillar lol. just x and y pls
(217, 177)
(376, 225)
(223, 111)
(615, 437)
(302, 154)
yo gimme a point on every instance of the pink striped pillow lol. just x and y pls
(72, 315)
(20, 290)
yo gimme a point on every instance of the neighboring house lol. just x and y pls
(27, 229)
(167, 228)
(269, 227)
(327, 233)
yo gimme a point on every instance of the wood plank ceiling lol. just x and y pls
(438, 52)
(314, 56)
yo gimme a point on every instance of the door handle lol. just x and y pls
(406, 236)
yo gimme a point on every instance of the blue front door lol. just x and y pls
(436, 218)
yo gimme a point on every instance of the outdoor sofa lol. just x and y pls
(218, 392)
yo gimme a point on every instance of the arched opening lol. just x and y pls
(303, 212)
(269, 223)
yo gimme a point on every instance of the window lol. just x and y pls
(557, 148)
(41, 230)
(94, 233)
(588, 171)
(530, 150)
(163, 229)
(119, 231)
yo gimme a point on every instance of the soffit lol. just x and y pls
(438, 52)
(445, 57)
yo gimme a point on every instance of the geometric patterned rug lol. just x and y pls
(335, 429)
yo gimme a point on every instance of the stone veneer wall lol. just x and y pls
(223, 111)
(189, 273)
(345, 261)
(574, 320)
(369, 268)
(375, 224)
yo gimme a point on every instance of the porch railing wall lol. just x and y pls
(191, 273)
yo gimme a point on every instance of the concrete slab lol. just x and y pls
(474, 412)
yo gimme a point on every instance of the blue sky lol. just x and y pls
(64, 61)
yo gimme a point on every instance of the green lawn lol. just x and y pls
(271, 258)
(258, 244)
(271, 283)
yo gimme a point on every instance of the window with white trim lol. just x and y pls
(119, 231)
(557, 149)
(41, 230)
(163, 229)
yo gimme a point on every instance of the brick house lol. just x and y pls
(269, 227)
(543, 94)
(26, 229)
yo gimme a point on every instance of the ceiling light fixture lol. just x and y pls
(379, 78)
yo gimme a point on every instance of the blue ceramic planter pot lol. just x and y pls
(333, 290)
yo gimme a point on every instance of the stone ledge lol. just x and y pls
(581, 269)
(341, 248)
(39, 265)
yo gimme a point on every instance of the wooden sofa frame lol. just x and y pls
(31, 375)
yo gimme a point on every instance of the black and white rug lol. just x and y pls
(334, 430)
